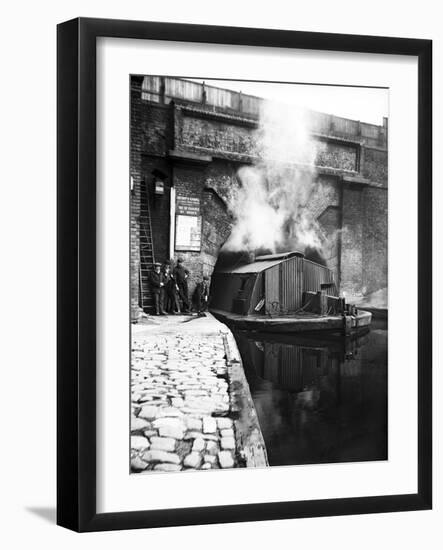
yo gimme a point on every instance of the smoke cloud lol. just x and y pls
(269, 206)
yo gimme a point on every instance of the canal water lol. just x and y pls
(319, 400)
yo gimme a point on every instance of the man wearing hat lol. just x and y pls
(157, 282)
(181, 277)
(201, 295)
(171, 303)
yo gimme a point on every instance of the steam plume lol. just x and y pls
(270, 205)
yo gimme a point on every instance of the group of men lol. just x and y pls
(170, 290)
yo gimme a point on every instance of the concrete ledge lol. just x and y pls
(249, 437)
(209, 112)
(189, 157)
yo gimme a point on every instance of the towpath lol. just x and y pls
(185, 411)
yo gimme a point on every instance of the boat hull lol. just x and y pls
(293, 324)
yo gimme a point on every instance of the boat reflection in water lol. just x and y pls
(319, 400)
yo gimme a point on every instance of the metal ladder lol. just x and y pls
(147, 257)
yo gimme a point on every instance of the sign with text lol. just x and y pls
(188, 224)
(188, 233)
(188, 206)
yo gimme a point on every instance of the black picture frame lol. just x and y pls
(76, 281)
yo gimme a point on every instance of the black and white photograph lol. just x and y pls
(221, 298)
(258, 274)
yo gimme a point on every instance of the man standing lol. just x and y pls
(181, 277)
(157, 282)
(201, 295)
(171, 304)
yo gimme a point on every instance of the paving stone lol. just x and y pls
(177, 402)
(210, 437)
(227, 443)
(147, 400)
(170, 422)
(176, 378)
(198, 445)
(221, 409)
(161, 456)
(139, 424)
(195, 393)
(162, 444)
(194, 423)
(139, 442)
(138, 464)
(225, 459)
(193, 435)
(176, 432)
(199, 403)
(211, 447)
(209, 425)
(224, 423)
(158, 391)
(206, 466)
(138, 387)
(195, 411)
(169, 412)
(196, 435)
(192, 460)
(167, 467)
(148, 412)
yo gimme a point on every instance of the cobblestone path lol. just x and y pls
(181, 404)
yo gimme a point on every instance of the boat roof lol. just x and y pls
(261, 263)
(280, 256)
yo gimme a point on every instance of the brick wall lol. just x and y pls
(239, 136)
(324, 205)
(342, 157)
(156, 128)
(192, 181)
(375, 242)
(216, 229)
(136, 175)
(352, 240)
(330, 222)
(364, 253)
(375, 165)
(159, 205)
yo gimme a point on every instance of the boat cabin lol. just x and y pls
(276, 284)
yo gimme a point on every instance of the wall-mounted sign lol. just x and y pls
(188, 231)
(188, 206)
(159, 187)
(188, 224)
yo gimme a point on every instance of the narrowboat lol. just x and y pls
(284, 293)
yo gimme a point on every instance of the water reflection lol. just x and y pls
(319, 400)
